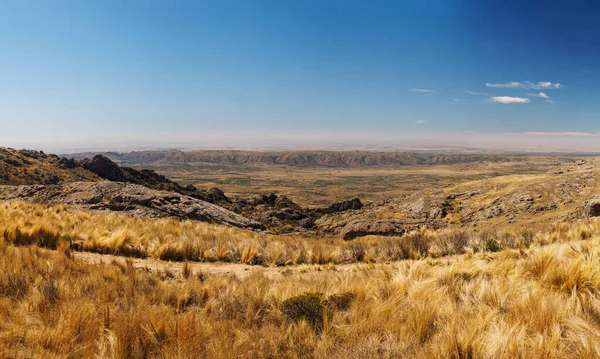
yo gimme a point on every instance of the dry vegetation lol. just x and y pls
(537, 302)
(23, 223)
(456, 294)
(310, 186)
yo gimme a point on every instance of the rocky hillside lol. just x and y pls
(567, 193)
(130, 198)
(108, 170)
(27, 167)
(298, 158)
(34, 175)
(34, 167)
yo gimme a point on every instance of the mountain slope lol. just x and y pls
(19, 167)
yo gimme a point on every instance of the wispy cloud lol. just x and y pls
(557, 134)
(474, 93)
(507, 99)
(551, 101)
(540, 95)
(587, 71)
(508, 85)
(421, 90)
(421, 122)
(527, 85)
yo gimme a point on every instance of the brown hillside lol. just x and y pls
(35, 167)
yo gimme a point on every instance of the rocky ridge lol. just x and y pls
(128, 198)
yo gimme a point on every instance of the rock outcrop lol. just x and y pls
(131, 198)
(592, 207)
(352, 204)
(108, 170)
(105, 168)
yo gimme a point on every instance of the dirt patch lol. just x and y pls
(237, 269)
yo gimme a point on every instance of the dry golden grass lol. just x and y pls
(539, 302)
(23, 223)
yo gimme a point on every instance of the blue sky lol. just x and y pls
(84, 74)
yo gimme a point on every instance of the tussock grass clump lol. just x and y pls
(315, 308)
(38, 234)
(13, 286)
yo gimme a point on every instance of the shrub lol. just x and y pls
(307, 306)
(313, 307)
(341, 301)
(491, 245)
(13, 286)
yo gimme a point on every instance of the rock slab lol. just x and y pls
(131, 198)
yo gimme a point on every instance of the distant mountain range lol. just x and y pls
(297, 158)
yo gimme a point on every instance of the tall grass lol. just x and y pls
(23, 223)
(538, 302)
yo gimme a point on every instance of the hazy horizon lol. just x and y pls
(337, 141)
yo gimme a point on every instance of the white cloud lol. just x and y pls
(474, 93)
(544, 85)
(421, 122)
(509, 85)
(527, 85)
(551, 101)
(508, 99)
(421, 90)
(540, 95)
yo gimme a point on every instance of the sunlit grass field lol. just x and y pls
(535, 301)
(24, 223)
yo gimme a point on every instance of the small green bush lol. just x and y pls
(341, 301)
(307, 306)
(491, 245)
(313, 307)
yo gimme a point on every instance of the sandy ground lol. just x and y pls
(239, 270)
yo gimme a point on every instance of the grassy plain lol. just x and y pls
(319, 186)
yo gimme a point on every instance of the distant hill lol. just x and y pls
(21, 167)
(27, 167)
(298, 158)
